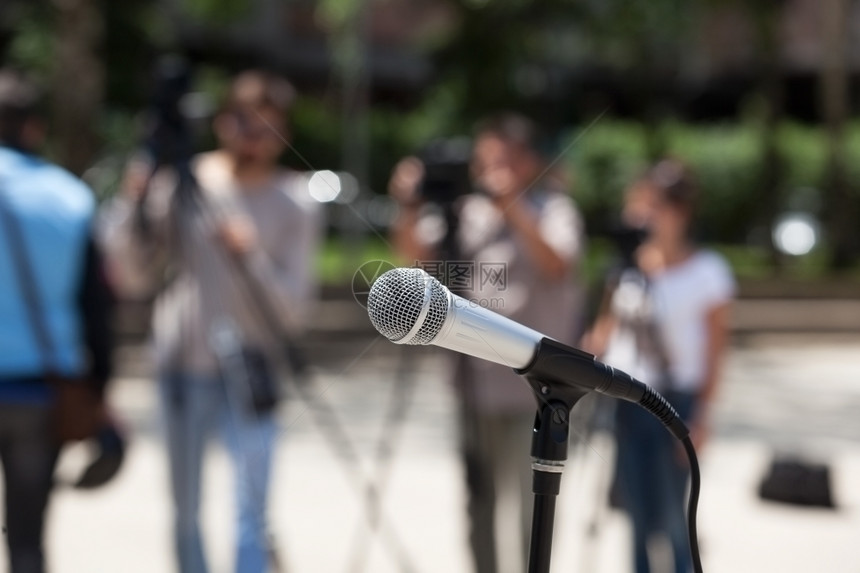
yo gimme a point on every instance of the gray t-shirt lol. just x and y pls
(505, 279)
(204, 290)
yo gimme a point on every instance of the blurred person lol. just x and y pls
(254, 212)
(521, 235)
(627, 234)
(665, 321)
(54, 313)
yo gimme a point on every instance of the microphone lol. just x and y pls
(409, 306)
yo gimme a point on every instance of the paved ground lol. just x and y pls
(792, 393)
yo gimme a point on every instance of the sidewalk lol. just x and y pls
(793, 393)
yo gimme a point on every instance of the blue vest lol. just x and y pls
(54, 211)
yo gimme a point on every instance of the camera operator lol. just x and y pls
(520, 236)
(665, 321)
(246, 210)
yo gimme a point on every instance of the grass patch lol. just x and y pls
(339, 258)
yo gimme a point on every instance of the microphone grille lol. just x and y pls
(396, 301)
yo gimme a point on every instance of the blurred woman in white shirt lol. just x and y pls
(665, 322)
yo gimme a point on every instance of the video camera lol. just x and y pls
(627, 239)
(168, 138)
(446, 170)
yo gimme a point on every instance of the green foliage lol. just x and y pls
(852, 145)
(604, 159)
(337, 13)
(315, 130)
(217, 11)
(131, 30)
(32, 45)
(317, 133)
(727, 160)
(804, 151)
(338, 260)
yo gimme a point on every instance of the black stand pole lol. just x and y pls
(545, 486)
(549, 450)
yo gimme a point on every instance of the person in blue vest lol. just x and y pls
(46, 227)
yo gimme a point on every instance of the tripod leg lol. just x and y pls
(332, 429)
(403, 388)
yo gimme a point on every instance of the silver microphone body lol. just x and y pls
(435, 315)
(408, 306)
(482, 333)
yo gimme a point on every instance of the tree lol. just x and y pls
(841, 205)
(77, 82)
(765, 16)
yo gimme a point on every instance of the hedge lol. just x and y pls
(727, 160)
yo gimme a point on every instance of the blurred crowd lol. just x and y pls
(225, 243)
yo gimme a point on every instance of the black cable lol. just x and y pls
(693, 503)
(657, 405)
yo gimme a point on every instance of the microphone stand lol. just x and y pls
(560, 376)
(549, 452)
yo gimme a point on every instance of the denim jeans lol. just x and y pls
(28, 453)
(195, 407)
(652, 479)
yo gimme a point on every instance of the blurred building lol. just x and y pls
(704, 61)
(705, 64)
(383, 40)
